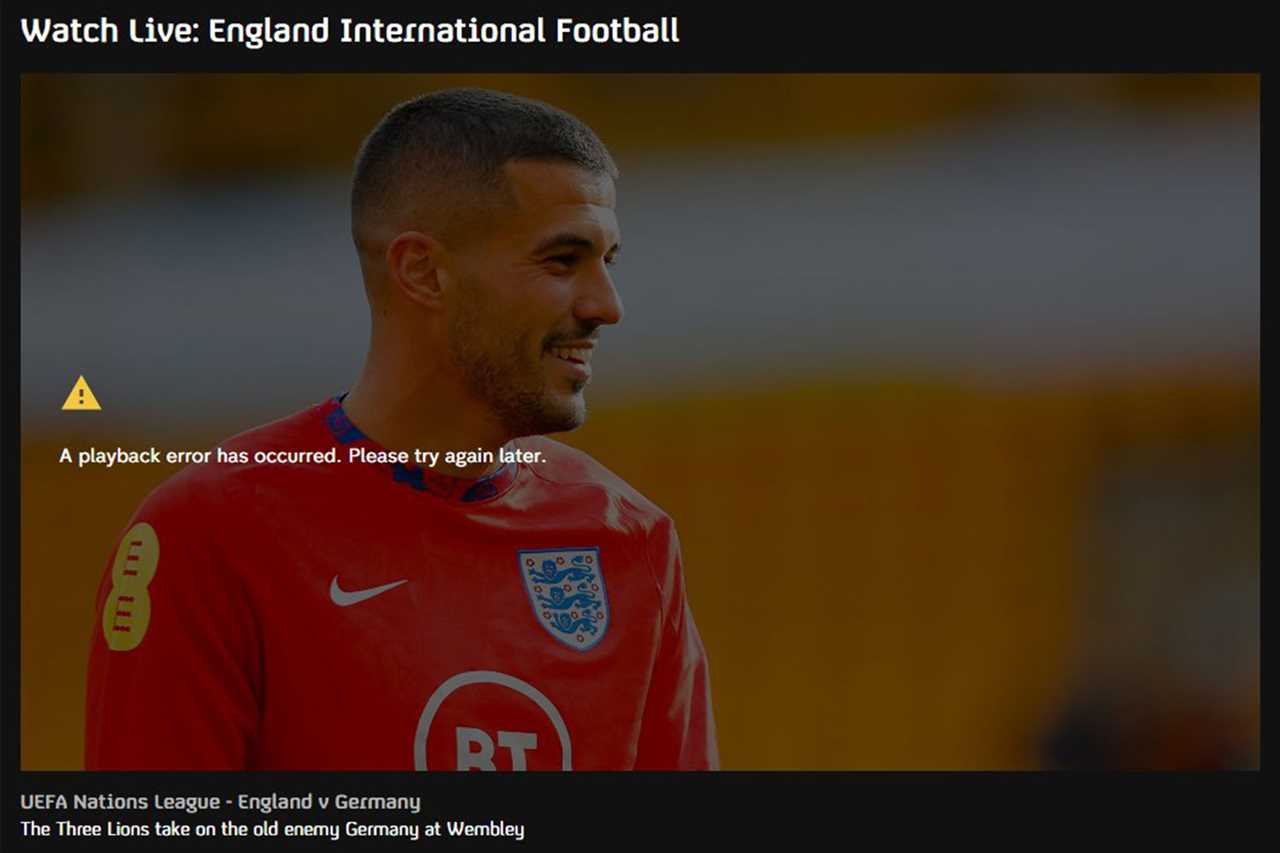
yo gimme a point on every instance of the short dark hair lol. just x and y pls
(458, 140)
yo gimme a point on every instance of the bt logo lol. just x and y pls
(531, 735)
(475, 748)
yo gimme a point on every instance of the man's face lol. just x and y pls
(531, 294)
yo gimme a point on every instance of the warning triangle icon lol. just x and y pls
(81, 399)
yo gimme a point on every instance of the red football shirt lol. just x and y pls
(387, 616)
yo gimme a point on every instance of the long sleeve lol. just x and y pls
(678, 731)
(174, 662)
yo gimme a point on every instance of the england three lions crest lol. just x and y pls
(566, 590)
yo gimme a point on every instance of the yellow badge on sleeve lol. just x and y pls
(127, 611)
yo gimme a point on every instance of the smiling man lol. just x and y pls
(522, 609)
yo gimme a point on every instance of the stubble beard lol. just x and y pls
(499, 373)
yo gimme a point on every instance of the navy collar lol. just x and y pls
(456, 489)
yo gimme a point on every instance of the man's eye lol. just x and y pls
(567, 260)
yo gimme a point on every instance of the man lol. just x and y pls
(280, 611)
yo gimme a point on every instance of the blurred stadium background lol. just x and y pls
(951, 383)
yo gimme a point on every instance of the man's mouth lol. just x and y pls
(577, 355)
(575, 359)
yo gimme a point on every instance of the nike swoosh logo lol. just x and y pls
(342, 598)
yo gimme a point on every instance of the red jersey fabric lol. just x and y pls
(385, 616)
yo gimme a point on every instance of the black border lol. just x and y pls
(652, 808)
(784, 38)
(696, 811)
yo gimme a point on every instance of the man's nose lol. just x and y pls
(598, 302)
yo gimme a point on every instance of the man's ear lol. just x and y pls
(413, 267)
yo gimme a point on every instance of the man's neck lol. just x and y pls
(422, 415)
